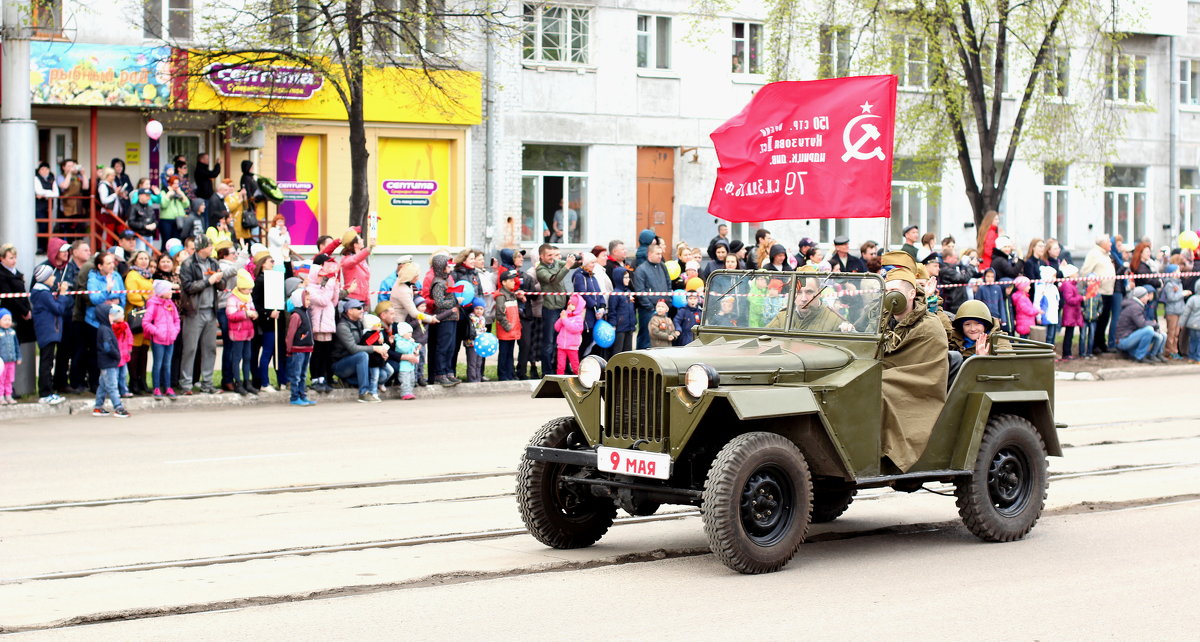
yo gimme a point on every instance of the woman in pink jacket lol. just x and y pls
(570, 334)
(322, 309)
(239, 309)
(161, 326)
(356, 270)
(1023, 308)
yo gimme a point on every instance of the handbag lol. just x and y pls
(135, 320)
(249, 219)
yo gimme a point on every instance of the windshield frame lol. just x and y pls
(793, 279)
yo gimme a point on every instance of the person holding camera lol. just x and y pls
(551, 273)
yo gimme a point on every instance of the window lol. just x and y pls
(1189, 82)
(46, 17)
(176, 15)
(1057, 73)
(406, 27)
(553, 194)
(1189, 199)
(912, 203)
(747, 45)
(295, 21)
(912, 61)
(653, 42)
(1054, 202)
(834, 59)
(1125, 202)
(556, 34)
(831, 228)
(1126, 75)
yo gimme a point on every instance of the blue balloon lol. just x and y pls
(604, 333)
(467, 294)
(486, 344)
(679, 299)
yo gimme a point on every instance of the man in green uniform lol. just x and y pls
(915, 371)
(810, 314)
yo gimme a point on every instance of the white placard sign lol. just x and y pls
(273, 290)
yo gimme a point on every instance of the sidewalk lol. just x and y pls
(81, 405)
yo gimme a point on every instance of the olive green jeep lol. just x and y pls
(770, 419)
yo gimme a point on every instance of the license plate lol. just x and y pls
(633, 462)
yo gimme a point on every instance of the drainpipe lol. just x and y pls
(18, 137)
(1173, 151)
(489, 129)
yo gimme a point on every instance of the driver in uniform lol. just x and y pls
(810, 313)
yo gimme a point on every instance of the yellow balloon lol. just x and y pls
(1189, 240)
(673, 269)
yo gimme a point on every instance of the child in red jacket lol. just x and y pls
(508, 323)
(125, 344)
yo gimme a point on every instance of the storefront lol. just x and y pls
(416, 138)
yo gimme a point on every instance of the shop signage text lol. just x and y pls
(264, 81)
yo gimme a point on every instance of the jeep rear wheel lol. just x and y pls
(830, 502)
(756, 502)
(1004, 496)
(558, 514)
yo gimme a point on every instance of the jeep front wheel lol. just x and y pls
(558, 514)
(1004, 496)
(756, 502)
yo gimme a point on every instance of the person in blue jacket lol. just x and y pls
(621, 311)
(51, 309)
(687, 318)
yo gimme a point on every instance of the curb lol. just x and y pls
(227, 399)
(1127, 372)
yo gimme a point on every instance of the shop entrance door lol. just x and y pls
(656, 191)
(56, 144)
(188, 144)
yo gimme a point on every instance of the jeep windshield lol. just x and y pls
(839, 303)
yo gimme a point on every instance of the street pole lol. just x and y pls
(18, 138)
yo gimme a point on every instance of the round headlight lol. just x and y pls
(700, 377)
(591, 370)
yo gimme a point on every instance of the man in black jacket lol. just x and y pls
(200, 281)
(351, 358)
(954, 274)
(842, 260)
(203, 178)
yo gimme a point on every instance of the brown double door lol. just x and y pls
(656, 191)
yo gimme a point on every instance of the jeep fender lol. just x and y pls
(1033, 405)
(795, 413)
(584, 402)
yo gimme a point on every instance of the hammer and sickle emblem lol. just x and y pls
(870, 133)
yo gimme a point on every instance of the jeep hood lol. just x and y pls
(748, 361)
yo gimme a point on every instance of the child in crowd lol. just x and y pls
(687, 318)
(621, 311)
(1172, 297)
(478, 326)
(1023, 311)
(775, 300)
(1072, 310)
(322, 310)
(108, 360)
(1190, 319)
(125, 343)
(992, 295)
(160, 326)
(1046, 302)
(50, 308)
(10, 357)
(755, 302)
(373, 335)
(508, 323)
(726, 315)
(407, 348)
(1093, 305)
(569, 327)
(298, 342)
(239, 309)
(662, 329)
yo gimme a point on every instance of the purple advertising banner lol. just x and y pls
(264, 81)
(298, 169)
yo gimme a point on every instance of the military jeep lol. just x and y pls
(771, 420)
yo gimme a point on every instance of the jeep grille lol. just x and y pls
(634, 404)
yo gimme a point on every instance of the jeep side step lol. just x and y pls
(911, 479)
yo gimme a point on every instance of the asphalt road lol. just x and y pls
(405, 527)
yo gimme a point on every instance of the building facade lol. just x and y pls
(602, 112)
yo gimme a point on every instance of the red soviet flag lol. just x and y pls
(808, 149)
